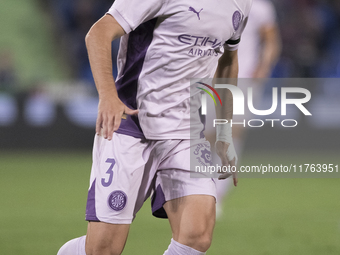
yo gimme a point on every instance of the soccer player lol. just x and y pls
(261, 44)
(164, 43)
(259, 51)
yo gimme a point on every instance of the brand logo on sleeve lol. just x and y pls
(191, 9)
(236, 19)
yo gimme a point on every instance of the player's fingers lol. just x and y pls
(116, 122)
(224, 162)
(104, 127)
(110, 127)
(129, 111)
(224, 176)
(235, 181)
(99, 124)
(234, 170)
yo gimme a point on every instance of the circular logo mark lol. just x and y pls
(117, 200)
(236, 20)
(206, 156)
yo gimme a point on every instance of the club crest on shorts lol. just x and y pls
(206, 156)
(236, 20)
(117, 200)
(202, 154)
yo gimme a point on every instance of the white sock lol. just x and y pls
(73, 247)
(175, 248)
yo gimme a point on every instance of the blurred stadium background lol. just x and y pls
(47, 116)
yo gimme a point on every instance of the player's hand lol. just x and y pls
(110, 112)
(227, 153)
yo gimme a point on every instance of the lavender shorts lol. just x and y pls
(127, 170)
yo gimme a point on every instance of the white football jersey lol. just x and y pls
(167, 43)
(262, 14)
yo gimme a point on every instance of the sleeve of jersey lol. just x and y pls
(268, 14)
(131, 13)
(233, 43)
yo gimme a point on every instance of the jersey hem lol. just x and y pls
(130, 133)
(171, 137)
(111, 221)
(90, 217)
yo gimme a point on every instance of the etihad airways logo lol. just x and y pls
(200, 41)
(212, 46)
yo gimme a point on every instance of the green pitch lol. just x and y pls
(43, 197)
(26, 33)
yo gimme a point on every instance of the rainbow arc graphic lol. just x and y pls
(204, 99)
(209, 93)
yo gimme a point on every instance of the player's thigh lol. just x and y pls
(106, 238)
(117, 172)
(116, 178)
(176, 176)
(189, 202)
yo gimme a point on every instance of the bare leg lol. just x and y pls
(192, 220)
(106, 239)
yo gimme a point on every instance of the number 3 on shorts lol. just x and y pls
(109, 172)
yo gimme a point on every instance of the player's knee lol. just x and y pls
(198, 238)
(203, 243)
